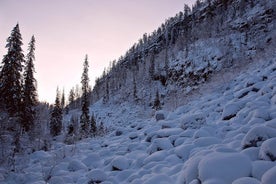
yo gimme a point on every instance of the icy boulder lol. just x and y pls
(260, 167)
(268, 150)
(224, 166)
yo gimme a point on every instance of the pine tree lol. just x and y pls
(56, 117)
(152, 66)
(62, 103)
(29, 89)
(84, 119)
(93, 125)
(71, 98)
(11, 74)
(135, 97)
(157, 103)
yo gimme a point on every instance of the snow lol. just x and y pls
(219, 136)
(270, 176)
(225, 166)
(268, 150)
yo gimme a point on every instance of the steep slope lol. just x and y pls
(223, 136)
(188, 50)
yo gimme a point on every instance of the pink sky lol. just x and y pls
(66, 30)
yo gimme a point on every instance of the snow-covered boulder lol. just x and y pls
(246, 180)
(76, 165)
(160, 115)
(268, 150)
(96, 176)
(270, 176)
(120, 163)
(259, 167)
(225, 166)
(160, 144)
(257, 135)
(92, 160)
(231, 110)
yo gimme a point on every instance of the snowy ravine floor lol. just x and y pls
(225, 136)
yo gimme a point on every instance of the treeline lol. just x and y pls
(27, 125)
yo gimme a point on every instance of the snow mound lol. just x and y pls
(270, 176)
(76, 165)
(120, 163)
(246, 180)
(225, 166)
(257, 135)
(268, 150)
(96, 176)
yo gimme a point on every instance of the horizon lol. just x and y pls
(69, 30)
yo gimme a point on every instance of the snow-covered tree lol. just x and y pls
(157, 103)
(56, 117)
(11, 74)
(62, 103)
(29, 90)
(84, 119)
(93, 125)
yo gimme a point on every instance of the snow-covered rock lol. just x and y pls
(225, 166)
(270, 176)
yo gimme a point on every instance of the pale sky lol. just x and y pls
(66, 30)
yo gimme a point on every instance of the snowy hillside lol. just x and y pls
(227, 135)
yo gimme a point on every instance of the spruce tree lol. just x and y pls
(11, 74)
(62, 99)
(93, 126)
(71, 98)
(157, 103)
(84, 119)
(29, 89)
(56, 117)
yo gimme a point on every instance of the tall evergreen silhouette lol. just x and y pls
(84, 119)
(56, 117)
(11, 74)
(29, 90)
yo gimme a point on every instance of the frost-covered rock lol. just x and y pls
(225, 166)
